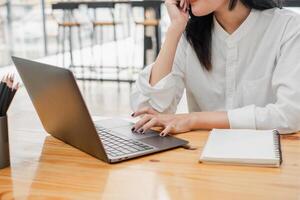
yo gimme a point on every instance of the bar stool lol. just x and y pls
(148, 21)
(68, 23)
(100, 24)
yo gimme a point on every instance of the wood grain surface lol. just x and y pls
(43, 167)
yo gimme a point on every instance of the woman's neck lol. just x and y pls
(230, 20)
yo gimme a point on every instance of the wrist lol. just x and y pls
(194, 120)
(177, 28)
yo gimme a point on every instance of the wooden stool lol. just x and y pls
(96, 23)
(148, 21)
(63, 26)
(151, 23)
(68, 23)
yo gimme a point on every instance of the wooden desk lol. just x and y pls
(45, 168)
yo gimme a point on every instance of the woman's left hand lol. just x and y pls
(171, 123)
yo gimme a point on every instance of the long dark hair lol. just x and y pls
(199, 29)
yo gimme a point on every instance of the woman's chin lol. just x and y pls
(200, 12)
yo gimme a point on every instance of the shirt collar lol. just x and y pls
(243, 29)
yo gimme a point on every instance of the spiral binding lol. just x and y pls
(277, 143)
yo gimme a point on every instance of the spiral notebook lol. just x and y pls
(243, 147)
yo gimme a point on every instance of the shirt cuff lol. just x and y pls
(242, 118)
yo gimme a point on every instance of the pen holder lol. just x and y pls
(4, 144)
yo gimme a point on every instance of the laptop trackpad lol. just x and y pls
(126, 131)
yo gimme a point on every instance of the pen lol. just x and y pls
(7, 93)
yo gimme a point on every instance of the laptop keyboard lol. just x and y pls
(117, 146)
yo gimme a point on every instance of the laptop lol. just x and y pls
(64, 115)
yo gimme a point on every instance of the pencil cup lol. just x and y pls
(4, 144)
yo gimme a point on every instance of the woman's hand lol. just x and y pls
(178, 13)
(171, 123)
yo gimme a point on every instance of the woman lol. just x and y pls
(239, 61)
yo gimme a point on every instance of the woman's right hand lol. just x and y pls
(178, 14)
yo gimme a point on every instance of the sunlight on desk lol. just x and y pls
(44, 167)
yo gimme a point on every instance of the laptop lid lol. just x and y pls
(60, 106)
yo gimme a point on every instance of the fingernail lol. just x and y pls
(132, 129)
(161, 134)
(132, 114)
(141, 130)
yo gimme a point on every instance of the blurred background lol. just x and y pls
(29, 28)
(100, 41)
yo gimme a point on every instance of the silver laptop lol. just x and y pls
(64, 115)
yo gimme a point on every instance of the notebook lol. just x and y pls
(243, 147)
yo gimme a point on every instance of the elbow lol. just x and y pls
(290, 127)
(286, 120)
(290, 122)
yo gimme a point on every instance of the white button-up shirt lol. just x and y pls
(255, 75)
